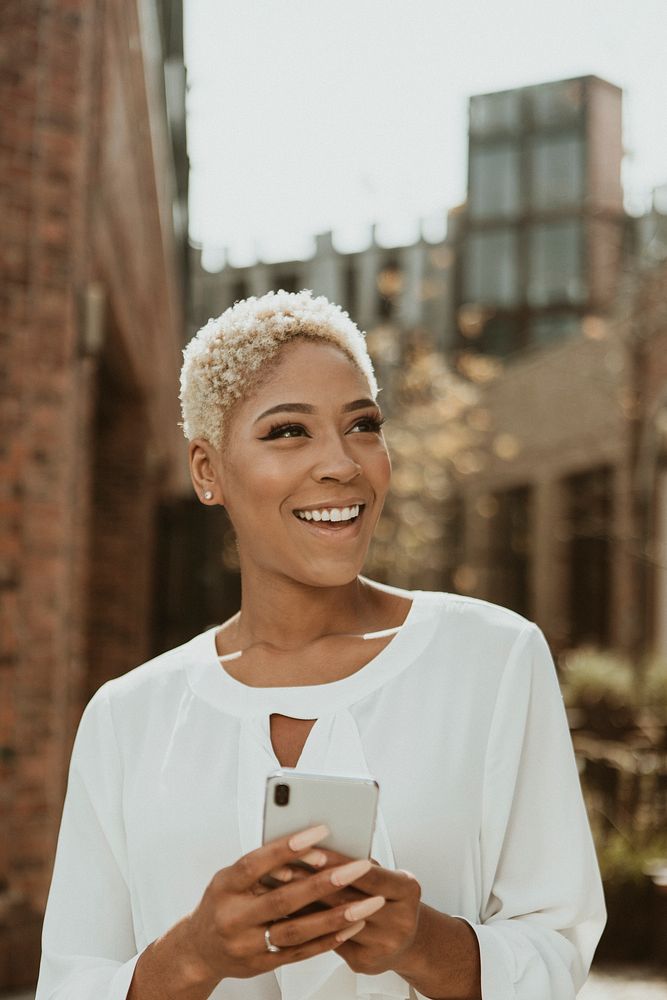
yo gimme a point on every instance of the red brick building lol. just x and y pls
(93, 170)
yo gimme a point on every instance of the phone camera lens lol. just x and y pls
(281, 795)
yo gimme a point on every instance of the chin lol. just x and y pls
(329, 576)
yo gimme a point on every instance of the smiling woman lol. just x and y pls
(483, 883)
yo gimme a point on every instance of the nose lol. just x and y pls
(335, 463)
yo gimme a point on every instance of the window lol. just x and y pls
(491, 270)
(495, 112)
(557, 171)
(389, 286)
(350, 284)
(510, 550)
(589, 509)
(556, 103)
(494, 181)
(287, 280)
(501, 335)
(239, 290)
(553, 326)
(555, 264)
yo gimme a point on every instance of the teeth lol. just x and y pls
(330, 514)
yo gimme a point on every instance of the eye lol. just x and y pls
(284, 431)
(372, 424)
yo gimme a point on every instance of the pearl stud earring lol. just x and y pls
(208, 495)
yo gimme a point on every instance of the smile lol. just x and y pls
(330, 513)
(332, 520)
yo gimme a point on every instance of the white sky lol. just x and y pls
(306, 115)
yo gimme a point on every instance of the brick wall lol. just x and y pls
(90, 336)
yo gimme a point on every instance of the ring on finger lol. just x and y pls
(270, 946)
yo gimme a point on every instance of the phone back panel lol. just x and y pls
(348, 806)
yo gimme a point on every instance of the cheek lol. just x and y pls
(260, 486)
(379, 470)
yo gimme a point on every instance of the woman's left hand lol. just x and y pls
(390, 932)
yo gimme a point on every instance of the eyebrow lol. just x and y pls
(356, 404)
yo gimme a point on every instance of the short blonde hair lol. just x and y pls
(228, 357)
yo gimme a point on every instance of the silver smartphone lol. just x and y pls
(298, 799)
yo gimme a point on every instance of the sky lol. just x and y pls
(313, 115)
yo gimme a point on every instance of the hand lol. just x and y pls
(226, 930)
(391, 931)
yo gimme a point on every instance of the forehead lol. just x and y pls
(311, 367)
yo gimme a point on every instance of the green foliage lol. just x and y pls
(588, 676)
(654, 684)
(622, 862)
(605, 680)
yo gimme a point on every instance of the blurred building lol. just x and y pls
(94, 175)
(541, 276)
(550, 275)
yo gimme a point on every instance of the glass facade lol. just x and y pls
(553, 326)
(590, 509)
(556, 103)
(536, 251)
(510, 550)
(501, 335)
(495, 113)
(491, 268)
(495, 181)
(555, 263)
(557, 171)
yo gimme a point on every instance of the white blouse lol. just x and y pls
(461, 721)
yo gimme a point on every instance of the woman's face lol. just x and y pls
(303, 451)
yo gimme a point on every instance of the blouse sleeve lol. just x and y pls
(543, 908)
(88, 945)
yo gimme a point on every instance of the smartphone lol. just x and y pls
(347, 804)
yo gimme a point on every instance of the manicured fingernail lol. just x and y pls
(350, 931)
(314, 858)
(306, 838)
(348, 873)
(283, 874)
(364, 908)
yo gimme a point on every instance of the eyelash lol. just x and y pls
(375, 425)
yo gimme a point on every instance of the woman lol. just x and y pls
(484, 881)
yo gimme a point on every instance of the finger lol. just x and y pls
(299, 952)
(386, 882)
(251, 867)
(309, 862)
(287, 899)
(293, 932)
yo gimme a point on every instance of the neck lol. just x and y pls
(297, 614)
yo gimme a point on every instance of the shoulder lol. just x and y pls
(481, 636)
(472, 613)
(162, 676)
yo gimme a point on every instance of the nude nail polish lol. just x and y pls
(349, 872)
(315, 858)
(364, 908)
(349, 932)
(306, 838)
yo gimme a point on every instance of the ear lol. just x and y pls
(205, 472)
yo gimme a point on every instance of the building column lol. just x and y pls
(626, 617)
(549, 563)
(660, 573)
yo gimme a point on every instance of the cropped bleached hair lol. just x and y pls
(230, 355)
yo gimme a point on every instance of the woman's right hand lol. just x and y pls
(226, 930)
